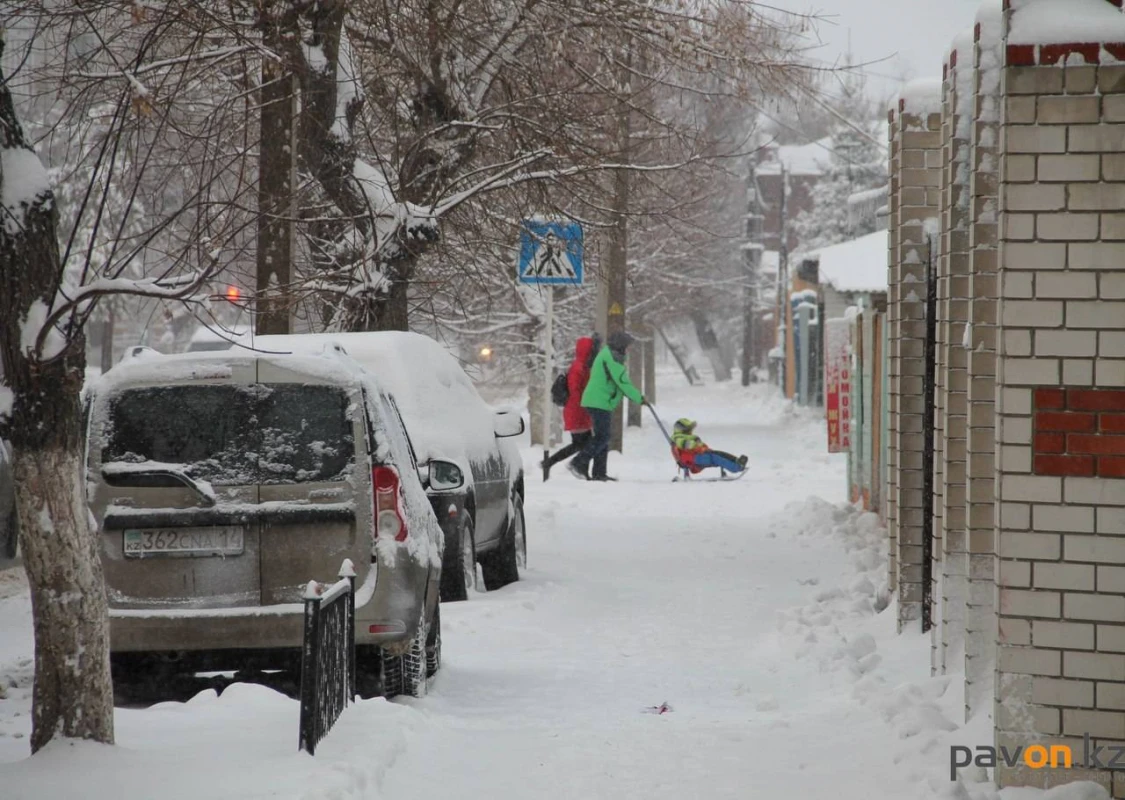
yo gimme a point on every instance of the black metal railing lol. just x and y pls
(327, 656)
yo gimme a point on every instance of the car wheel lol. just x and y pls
(406, 674)
(368, 671)
(459, 572)
(11, 538)
(433, 644)
(503, 564)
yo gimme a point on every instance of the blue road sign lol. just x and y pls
(550, 252)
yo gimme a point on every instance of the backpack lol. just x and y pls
(560, 391)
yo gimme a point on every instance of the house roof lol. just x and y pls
(858, 265)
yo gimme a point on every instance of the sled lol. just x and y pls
(724, 476)
(686, 474)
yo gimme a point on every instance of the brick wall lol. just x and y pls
(953, 315)
(941, 359)
(1060, 404)
(893, 293)
(918, 133)
(980, 615)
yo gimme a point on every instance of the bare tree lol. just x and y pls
(51, 285)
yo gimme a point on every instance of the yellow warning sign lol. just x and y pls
(615, 309)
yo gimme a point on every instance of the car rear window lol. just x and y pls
(234, 435)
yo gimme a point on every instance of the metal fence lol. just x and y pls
(327, 656)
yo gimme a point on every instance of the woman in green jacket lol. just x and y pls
(609, 383)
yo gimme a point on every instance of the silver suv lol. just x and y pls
(222, 483)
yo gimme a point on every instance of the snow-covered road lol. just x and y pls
(750, 608)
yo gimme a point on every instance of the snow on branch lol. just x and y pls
(44, 336)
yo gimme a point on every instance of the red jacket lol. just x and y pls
(575, 417)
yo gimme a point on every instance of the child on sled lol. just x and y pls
(693, 455)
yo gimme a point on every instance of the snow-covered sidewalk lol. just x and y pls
(751, 609)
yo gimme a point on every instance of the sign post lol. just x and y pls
(550, 255)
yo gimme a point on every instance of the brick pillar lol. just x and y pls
(1061, 402)
(918, 200)
(980, 617)
(941, 265)
(890, 495)
(954, 315)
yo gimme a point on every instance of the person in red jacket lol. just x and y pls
(576, 419)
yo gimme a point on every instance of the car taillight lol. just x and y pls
(388, 514)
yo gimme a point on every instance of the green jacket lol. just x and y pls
(686, 441)
(609, 382)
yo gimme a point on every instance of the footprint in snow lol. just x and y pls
(809, 581)
(767, 704)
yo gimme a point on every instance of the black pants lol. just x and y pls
(597, 446)
(577, 442)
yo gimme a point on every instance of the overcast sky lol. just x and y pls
(912, 36)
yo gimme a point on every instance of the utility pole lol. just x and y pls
(752, 255)
(276, 183)
(784, 316)
(615, 281)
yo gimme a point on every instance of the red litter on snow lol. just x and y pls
(660, 709)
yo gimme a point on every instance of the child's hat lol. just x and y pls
(685, 424)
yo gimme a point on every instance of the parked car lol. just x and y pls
(9, 526)
(470, 462)
(222, 483)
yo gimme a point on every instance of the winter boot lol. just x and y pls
(576, 472)
(742, 461)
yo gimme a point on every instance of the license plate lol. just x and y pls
(184, 542)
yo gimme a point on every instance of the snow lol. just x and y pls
(859, 265)
(444, 415)
(1064, 21)
(923, 95)
(31, 327)
(23, 180)
(799, 159)
(754, 615)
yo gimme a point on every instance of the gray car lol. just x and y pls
(458, 439)
(222, 483)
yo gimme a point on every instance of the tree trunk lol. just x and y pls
(107, 339)
(380, 311)
(650, 365)
(636, 375)
(710, 344)
(73, 694)
(276, 145)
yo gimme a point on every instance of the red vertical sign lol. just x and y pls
(837, 385)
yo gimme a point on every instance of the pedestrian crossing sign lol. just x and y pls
(550, 252)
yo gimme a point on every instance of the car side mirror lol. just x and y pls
(444, 476)
(507, 424)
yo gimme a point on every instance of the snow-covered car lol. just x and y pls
(471, 465)
(222, 483)
(9, 529)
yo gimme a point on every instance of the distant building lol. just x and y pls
(804, 164)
